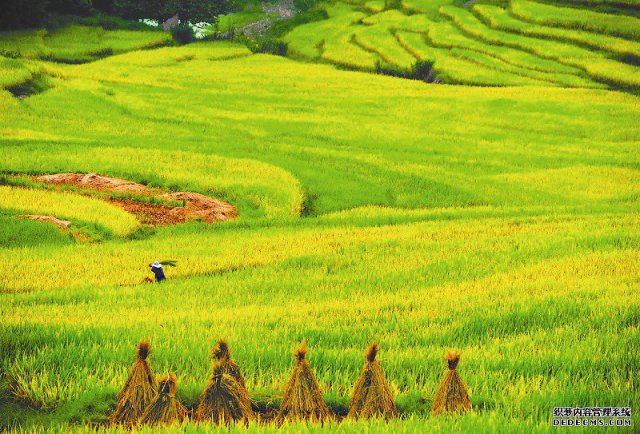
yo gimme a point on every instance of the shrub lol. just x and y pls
(266, 44)
(423, 70)
(183, 34)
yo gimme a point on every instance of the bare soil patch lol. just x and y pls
(95, 182)
(193, 206)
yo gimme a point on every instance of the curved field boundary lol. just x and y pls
(69, 206)
(607, 70)
(396, 20)
(379, 40)
(78, 44)
(13, 72)
(446, 35)
(306, 40)
(253, 186)
(579, 19)
(456, 70)
(343, 51)
(500, 19)
(540, 77)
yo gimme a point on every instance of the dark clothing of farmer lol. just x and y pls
(156, 267)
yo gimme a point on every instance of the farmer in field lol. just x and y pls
(156, 268)
(158, 271)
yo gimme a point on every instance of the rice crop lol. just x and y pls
(580, 19)
(75, 43)
(68, 206)
(343, 51)
(19, 232)
(12, 72)
(395, 20)
(458, 69)
(499, 18)
(427, 7)
(446, 35)
(610, 71)
(498, 221)
(375, 5)
(379, 40)
(306, 40)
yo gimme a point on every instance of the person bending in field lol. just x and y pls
(157, 270)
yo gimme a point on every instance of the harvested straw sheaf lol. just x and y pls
(225, 399)
(222, 354)
(372, 396)
(302, 399)
(451, 395)
(165, 407)
(138, 391)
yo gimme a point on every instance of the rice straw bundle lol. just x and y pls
(138, 391)
(222, 354)
(225, 399)
(372, 396)
(165, 407)
(451, 395)
(302, 399)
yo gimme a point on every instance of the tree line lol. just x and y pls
(17, 14)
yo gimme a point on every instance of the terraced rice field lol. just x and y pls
(494, 212)
(589, 48)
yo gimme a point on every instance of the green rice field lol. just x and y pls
(488, 205)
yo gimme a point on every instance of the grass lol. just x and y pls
(68, 206)
(496, 221)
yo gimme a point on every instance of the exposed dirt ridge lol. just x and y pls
(194, 206)
(62, 224)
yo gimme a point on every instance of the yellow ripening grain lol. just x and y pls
(69, 206)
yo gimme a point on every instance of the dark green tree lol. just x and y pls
(23, 13)
(191, 11)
